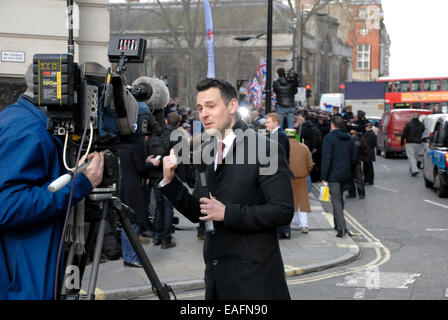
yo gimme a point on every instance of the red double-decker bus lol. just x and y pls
(416, 93)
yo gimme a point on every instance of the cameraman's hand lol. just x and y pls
(94, 171)
(155, 162)
(169, 166)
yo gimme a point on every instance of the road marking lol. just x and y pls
(436, 204)
(370, 244)
(291, 271)
(359, 293)
(99, 294)
(379, 260)
(343, 245)
(385, 189)
(436, 229)
(446, 293)
(386, 167)
(329, 218)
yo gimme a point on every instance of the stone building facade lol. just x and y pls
(177, 49)
(362, 27)
(28, 27)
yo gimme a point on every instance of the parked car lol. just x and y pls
(435, 172)
(429, 121)
(390, 129)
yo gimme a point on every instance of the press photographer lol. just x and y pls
(285, 87)
(32, 217)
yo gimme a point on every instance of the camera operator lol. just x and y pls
(32, 217)
(286, 88)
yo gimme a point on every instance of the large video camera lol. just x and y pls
(91, 97)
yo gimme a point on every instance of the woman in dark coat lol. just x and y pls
(133, 188)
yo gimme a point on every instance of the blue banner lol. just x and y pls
(210, 39)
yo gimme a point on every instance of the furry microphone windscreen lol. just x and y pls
(160, 94)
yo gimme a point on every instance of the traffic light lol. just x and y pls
(308, 90)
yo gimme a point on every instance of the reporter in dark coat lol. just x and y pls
(242, 257)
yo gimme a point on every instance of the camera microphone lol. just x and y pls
(63, 180)
(197, 145)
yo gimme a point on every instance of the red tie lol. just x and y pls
(221, 147)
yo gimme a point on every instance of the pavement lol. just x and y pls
(182, 267)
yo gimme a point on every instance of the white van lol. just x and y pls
(329, 100)
(429, 121)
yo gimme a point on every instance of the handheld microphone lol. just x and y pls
(209, 226)
(196, 145)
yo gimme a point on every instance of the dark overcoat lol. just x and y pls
(133, 191)
(370, 140)
(242, 257)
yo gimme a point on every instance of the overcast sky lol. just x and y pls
(417, 31)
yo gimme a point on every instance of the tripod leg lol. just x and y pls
(161, 291)
(93, 228)
(97, 254)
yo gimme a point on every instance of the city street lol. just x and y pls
(401, 229)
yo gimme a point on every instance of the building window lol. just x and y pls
(363, 57)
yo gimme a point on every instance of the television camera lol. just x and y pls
(89, 97)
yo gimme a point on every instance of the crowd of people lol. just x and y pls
(250, 211)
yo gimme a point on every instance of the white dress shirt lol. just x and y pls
(228, 141)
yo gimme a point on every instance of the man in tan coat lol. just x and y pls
(301, 164)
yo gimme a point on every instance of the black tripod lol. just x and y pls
(98, 228)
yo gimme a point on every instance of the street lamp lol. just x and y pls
(269, 60)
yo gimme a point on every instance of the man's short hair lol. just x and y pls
(338, 122)
(415, 115)
(173, 119)
(274, 117)
(281, 72)
(226, 89)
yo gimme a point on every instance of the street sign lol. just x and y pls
(13, 56)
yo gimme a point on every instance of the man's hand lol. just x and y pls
(169, 166)
(212, 208)
(94, 171)
(155, 162)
